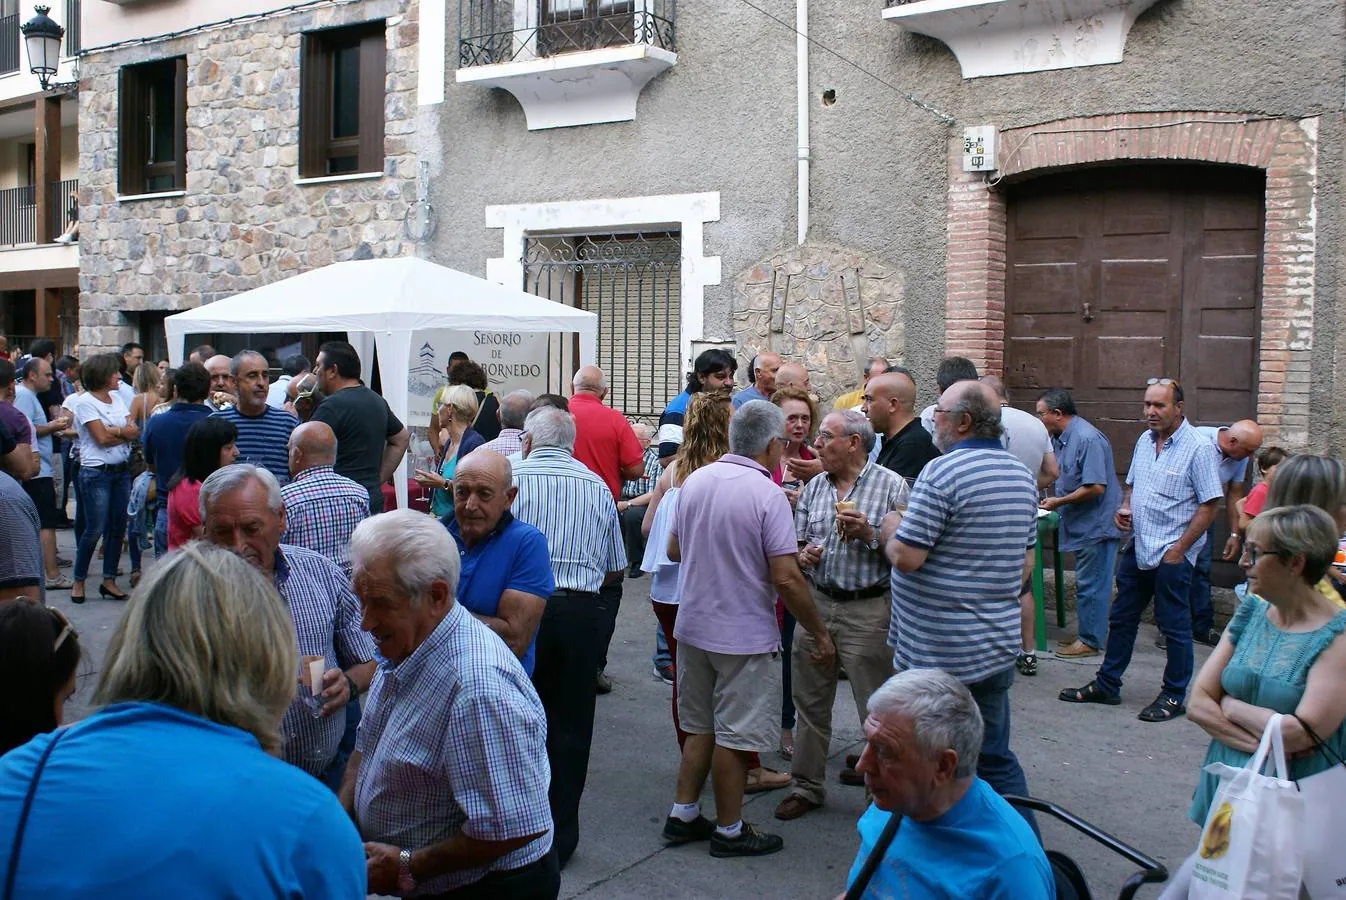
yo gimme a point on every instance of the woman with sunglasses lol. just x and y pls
(170, 787)
(39, 656)
(210, 446)
(1283, 652)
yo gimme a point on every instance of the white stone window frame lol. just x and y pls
(689, 213)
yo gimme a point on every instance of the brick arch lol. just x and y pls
(1286, 149)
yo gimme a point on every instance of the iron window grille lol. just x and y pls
(499, 31)
(633, 282)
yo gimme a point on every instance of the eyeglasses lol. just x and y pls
(1254, 553)
(1164, 381)
(67, 632)
(948, 412)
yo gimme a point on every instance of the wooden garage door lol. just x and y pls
(1118, 275)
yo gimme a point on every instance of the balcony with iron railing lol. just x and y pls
(18, 211)
(557, 56)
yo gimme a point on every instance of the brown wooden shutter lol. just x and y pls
(130, 133)
(180, 123)
(373, 94)
(312, 92)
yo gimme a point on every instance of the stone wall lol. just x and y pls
(830, 308)
(242, 222)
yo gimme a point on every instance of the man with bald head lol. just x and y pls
(956, 578)
(876, 365)
(514, 408)
(222, 389)
(263, 431)
(322, 508)
(506, 573)
(604, 440)
(1235, 443)
(890, 403)
(764, 367)
(793, 375)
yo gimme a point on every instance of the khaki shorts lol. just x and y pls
(732, 696)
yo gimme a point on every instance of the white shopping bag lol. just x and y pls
(1325, 832)
(1252, 845)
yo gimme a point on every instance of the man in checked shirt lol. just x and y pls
(242, 511)
(849, 579)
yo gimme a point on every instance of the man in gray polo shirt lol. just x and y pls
(1172, 489)
(1086, 496)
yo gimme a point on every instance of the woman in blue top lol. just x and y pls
(453, 439)
(1282, 653)
(168, 790)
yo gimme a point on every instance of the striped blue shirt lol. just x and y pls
(573, 508)
(322, 508)
(454, 740)
(264, 440)
(1167, 488)
(974, 510)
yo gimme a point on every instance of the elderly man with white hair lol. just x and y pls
(448, 782)
(242, 510)
(957, 836)
(573, 509)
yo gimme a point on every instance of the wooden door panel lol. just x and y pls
(1134, 285)
(1127, 212)
(1041, 363)
(1047, 287)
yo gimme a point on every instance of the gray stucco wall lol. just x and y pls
(723, 119)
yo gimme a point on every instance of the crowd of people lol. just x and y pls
(427, 683)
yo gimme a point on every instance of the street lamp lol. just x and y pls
(43, 38)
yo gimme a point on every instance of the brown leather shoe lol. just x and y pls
(794, 806)
(851, 777)
(764, 779)
(1077, 650)
(1067, 641)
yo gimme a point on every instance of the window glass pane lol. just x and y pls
(341, 165)
(9, 7)
(159, 183)
(162, 113)
(346, 91)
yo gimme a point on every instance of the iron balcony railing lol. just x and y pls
(9, 44)
(18, 211)
(498, 31)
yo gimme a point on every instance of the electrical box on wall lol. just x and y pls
(979, 148)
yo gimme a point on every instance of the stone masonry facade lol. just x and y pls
(242, 221)
(830, 308)
(1285, 149)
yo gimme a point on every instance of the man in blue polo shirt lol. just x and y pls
(506, 574)
(165, 437)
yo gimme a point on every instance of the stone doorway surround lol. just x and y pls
(1286, 149)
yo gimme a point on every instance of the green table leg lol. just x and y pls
(1059, 569)
(1039, 623)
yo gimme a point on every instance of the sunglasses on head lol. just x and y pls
(1164, 381)
(67, 632)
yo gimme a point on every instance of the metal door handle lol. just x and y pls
(1088, 313)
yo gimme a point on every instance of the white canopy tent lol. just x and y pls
(380, 303)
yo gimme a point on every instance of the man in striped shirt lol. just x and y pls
(573, 509)
(958, 558)
(263, 431)
(322, 508)
(848, 575)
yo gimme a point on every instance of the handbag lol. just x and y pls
(1324, 825)
(12, 869)
(1252, 843)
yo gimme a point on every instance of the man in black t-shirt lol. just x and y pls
(371, 441)
(890, 403)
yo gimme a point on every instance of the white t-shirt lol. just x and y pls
(1026, 437)
(112, 414)
(126, 392)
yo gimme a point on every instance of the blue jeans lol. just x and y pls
(102, 508)
(161, 529)
(662, 659)
(1198, 595)
(1167, 586)
(997, 765)
(1093, 590)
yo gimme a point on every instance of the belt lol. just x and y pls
(874, 590)
(112, 469)
(577, 595)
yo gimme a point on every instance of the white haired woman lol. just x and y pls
(1281, 653)
(197, 675)
(452, 437)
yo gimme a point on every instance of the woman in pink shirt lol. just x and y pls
(210, 446)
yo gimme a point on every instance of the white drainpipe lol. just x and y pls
(802, 97)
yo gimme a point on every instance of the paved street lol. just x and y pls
(1127, 777)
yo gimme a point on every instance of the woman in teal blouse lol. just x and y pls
(1283, 652)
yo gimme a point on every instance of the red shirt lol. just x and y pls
(604, 440)
(1256, 499)
(184, 515)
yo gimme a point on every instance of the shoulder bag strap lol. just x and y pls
(857, 888)
(13, 868)
(1320, 744)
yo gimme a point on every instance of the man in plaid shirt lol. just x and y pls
(837, 521)
(322, 508)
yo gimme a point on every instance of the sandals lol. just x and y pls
(1027, 664)
(1090, 693)
(1162, 709)
(764, 779)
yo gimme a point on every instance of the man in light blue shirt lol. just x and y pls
(42, 487)
(957, 837)
(1172, 491)
(764, 366)
(1235, 443)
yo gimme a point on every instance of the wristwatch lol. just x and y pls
(405, 881)
(873, 543)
